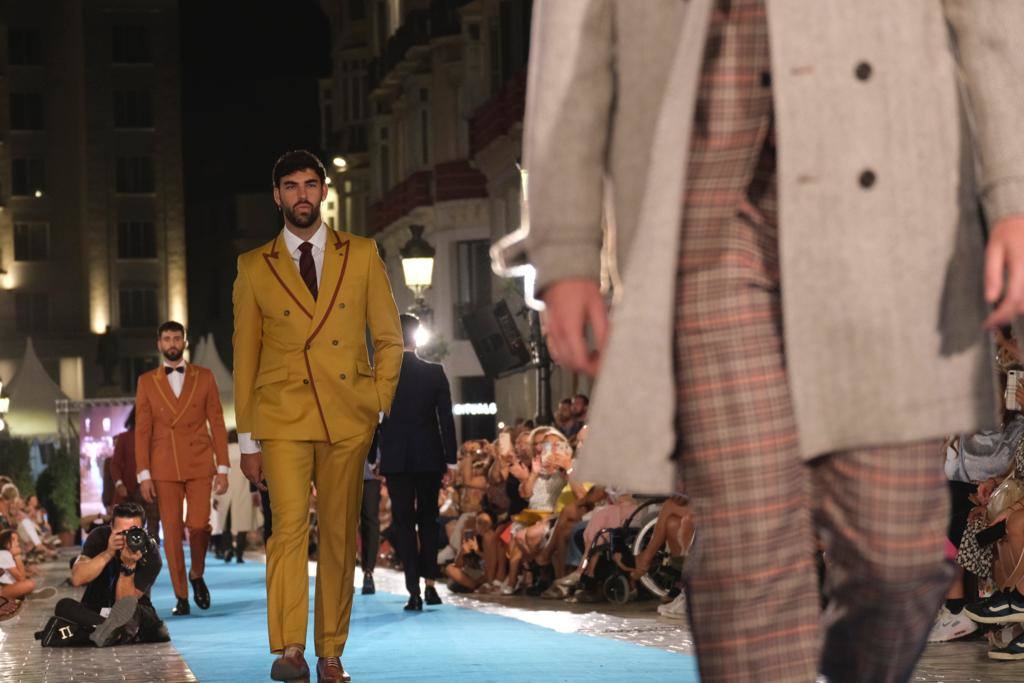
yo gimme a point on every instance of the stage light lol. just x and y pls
(339, 163)
(422, 336)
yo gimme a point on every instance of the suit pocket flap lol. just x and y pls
(363, 368)
(270, 376)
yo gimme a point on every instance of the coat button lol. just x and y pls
(307, 347)
(341, 305)
(334, 342)
(305, 381)
(342, 376)
(863, 71)
(287, 312)
(867, 178)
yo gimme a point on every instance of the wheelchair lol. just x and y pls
(615, 551)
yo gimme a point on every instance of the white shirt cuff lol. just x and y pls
(143, 476)
(247, 444)
(452, 467)
(118, 483)
(223, 469)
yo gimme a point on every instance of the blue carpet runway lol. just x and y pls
(228, 642)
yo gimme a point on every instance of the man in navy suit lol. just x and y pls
(417, 445)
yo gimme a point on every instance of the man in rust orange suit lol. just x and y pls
(177, 409)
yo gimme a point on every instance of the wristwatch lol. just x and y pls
(127, 571)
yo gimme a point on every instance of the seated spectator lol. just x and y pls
(115, 608)
(580, 406)
(14, 581)
(564, 421)
(471, 568)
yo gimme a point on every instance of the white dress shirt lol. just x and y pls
(176, 379)
(177, 382)
(246, 443)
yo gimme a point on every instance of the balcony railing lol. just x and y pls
(496, 116)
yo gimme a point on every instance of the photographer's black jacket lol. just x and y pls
(102, 591)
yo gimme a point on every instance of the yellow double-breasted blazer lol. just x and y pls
(302, 371)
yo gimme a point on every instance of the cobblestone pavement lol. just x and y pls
(23, 661)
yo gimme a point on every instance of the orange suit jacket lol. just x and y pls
(172, 439)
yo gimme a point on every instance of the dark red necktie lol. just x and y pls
(307, 267)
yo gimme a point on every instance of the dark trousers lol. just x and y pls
(150, 628)
(414, 511)
(369, 525)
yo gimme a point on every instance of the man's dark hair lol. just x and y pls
(128, 510)
(170, 326)
(298, 160)
(586, 399)
(565, 401)
(410, 324)
(129, 423)
(5, 538)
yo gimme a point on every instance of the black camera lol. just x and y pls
(136, 539)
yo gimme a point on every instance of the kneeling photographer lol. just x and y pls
(118, 565)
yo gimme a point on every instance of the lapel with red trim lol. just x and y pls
(335, 264)
(287, 275)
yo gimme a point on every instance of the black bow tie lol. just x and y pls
(168, 370)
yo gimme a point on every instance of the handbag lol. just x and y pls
(59, 632)
(1007, 494)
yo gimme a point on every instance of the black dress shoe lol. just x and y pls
(368, 587)
(182, 609)
(200, 593)
(431, 597)
(415, 604)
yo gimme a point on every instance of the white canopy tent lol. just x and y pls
(205, 354)
(33, 397)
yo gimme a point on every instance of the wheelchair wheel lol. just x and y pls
(616, 589)
(663, 575)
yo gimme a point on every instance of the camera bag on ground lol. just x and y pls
(60, 632)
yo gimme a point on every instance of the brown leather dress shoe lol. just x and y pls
(291, 666)
(330, 670)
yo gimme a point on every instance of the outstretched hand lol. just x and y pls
(1004, 271)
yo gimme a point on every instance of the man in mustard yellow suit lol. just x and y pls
(307, 403)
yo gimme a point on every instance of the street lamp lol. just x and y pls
(418, 266)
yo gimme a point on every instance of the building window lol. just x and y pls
(132, 368)
(27, 111)
(28, 177)
(32, 311)
(134, 174)
(31, 241)
(132, 45)
(138, 307)
(356, 10)
(133, 109)
(472, 280)
(24, 47)
(136, 240)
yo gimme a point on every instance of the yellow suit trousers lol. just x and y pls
(337, 471)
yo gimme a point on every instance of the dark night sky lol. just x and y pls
(249, 89)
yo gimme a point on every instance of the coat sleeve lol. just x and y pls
(443, 401)
(247, 341)
(569, 100)
(143, 425)
(988, 39)
(385, 331)
(215, 416)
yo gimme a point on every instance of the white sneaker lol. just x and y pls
(675, 609)
(571, 579)
(1002, 637)
(949, 626)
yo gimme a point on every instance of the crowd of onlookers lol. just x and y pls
(986, 530)
(26, 540)
(516, 520)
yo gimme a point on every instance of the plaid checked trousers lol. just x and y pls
(881, 513)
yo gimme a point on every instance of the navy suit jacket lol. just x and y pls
(419, 434)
